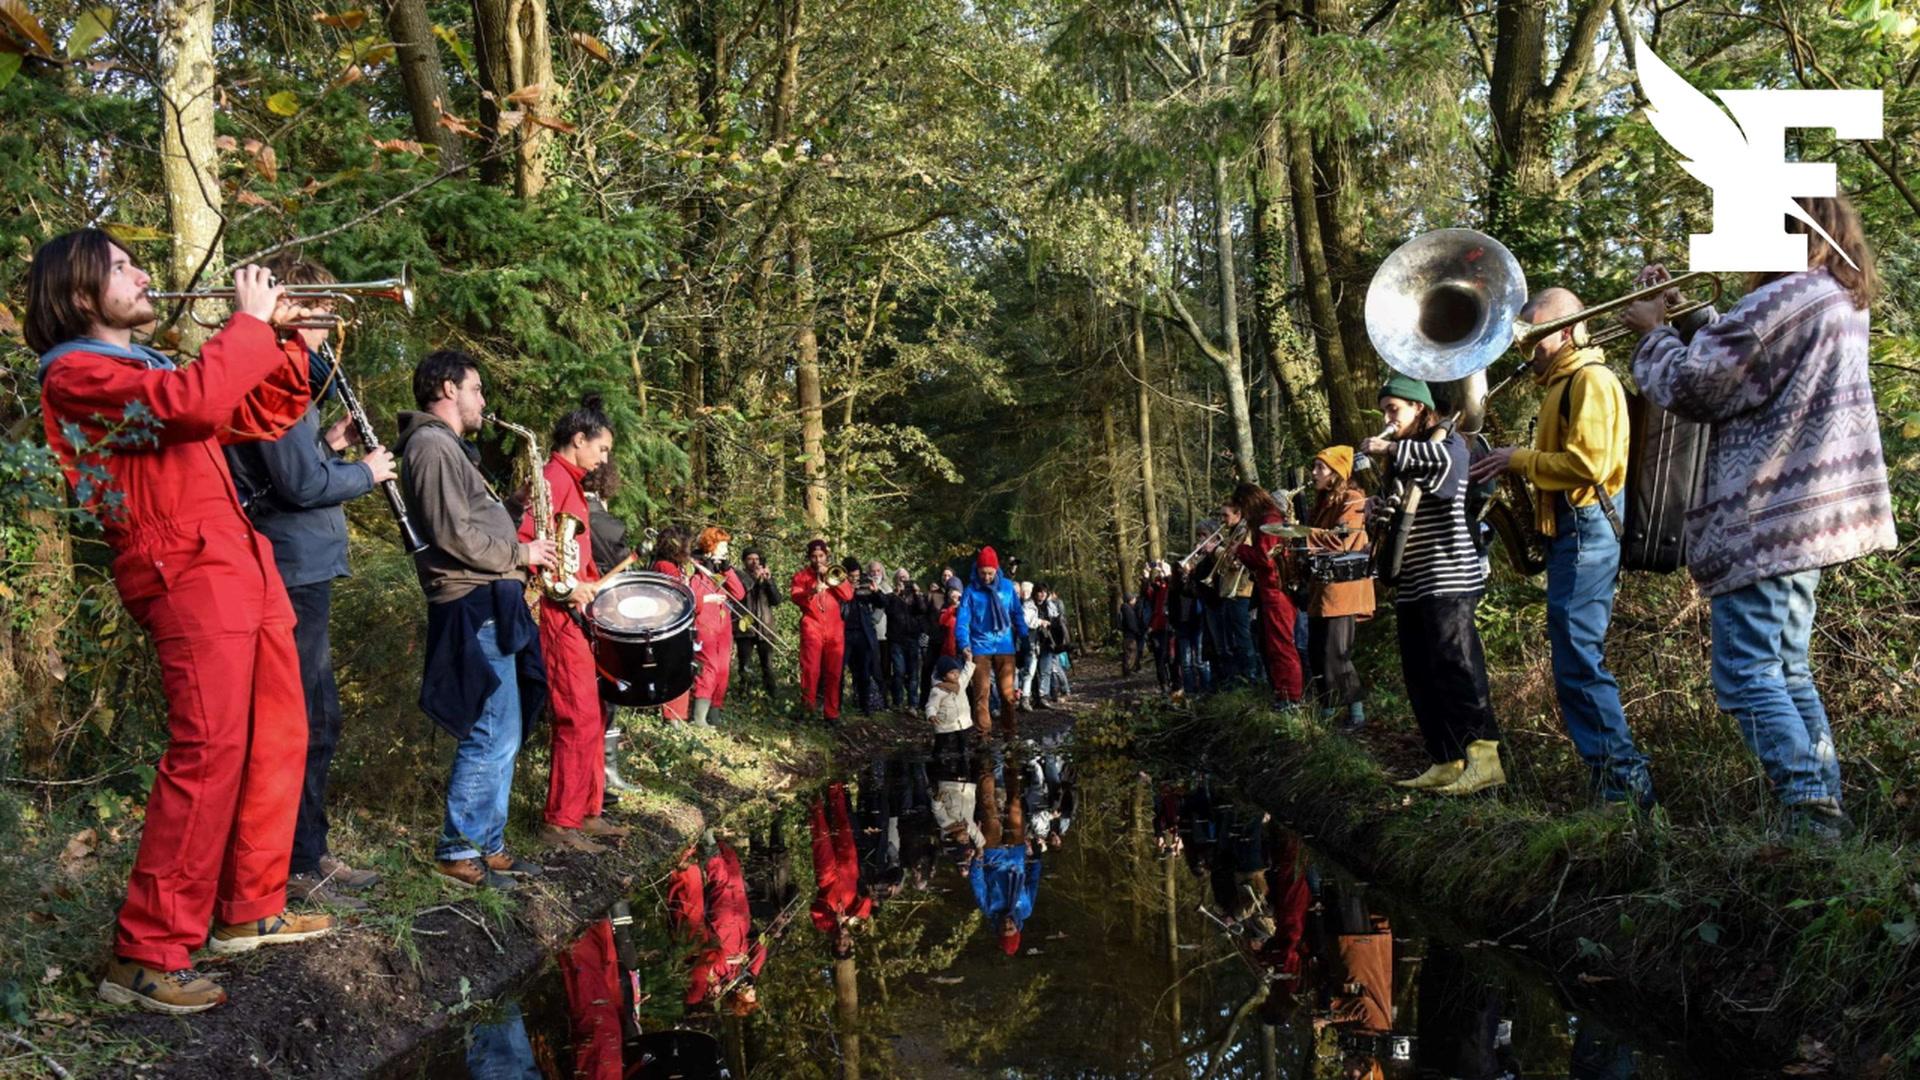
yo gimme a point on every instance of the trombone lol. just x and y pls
(398, 290)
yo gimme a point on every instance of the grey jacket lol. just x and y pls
(293, 488)
(471, 539)
(1795, 476)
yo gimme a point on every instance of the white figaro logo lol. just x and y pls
(1743, 159)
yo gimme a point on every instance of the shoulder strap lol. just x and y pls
(1600, 491)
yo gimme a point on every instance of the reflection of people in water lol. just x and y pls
(1050, 799)
(708, 904)
(1461, 1031)
(501, 1050)
(1006, 875)
(840, 900)
(590, 973)
(896, 825)
(955, 795)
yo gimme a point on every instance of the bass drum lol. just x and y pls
(1331, 568)
(643, 640)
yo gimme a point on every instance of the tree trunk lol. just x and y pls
(187, 156)
(1123, 546)
(806, 383)
(1348, 426)
(1246, 465)
(1525, 107)
(530, 65)
(1143, 406)
(496, 82)
(846, 1002)
(417, 55)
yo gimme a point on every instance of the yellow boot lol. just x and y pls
(1483, 770)
(1439, 774)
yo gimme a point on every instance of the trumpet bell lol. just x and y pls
(1444, 304)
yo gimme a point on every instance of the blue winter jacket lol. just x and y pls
(1005, 882)
(973, 629)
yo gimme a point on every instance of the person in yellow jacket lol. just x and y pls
(1578, 467)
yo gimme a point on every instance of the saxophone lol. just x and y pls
(555, 583)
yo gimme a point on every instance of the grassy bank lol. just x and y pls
(1718, 923)
(427, 953)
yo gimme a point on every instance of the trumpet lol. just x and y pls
(1204, 546)
(836, 574)
(398, 290)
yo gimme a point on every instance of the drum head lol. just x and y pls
(642, 603)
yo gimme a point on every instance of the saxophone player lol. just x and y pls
(484, 679)
(577, 783)
(1578, 465)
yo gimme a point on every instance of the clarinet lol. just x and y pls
(409, 538)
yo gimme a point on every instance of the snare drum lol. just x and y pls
(1333, 567)
(643, 640)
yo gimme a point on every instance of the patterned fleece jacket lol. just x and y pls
(1795, 476)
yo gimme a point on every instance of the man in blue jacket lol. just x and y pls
(989, 629)
(293, 489)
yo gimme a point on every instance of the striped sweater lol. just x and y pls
(1795, 476)
(1440, 559)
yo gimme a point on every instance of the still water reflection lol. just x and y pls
(967, 911)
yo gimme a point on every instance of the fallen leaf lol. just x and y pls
(593, 45)
(8, 324)
(52, 975)
(73, 858)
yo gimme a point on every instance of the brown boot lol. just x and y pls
(175, 993)
(599, 826)
(472, 873)
(345, 877)
(554, 836)
(505, 862)
(282, 929)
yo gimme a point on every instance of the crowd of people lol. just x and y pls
(221, 496)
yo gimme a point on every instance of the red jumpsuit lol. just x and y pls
(577, 785)
(836, 863)
(677, 708)
(823, 638)
(949, 625)
(191, 569)
(1276, 611)
(713, 622)
(711, 909)
(590, 971)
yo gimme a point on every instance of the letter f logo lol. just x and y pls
(1743, 159)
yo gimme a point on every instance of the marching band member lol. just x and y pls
(763, 606)
(484, 681)
(1253, 505)
(294, 489)
(823, 633)
(713, 621)
(1334, 607)
(193, 572)
(673, 556)
(577, 784)
(1439, 586)
(1578, 464)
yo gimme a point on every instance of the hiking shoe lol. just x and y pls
(599, 826)
(282, 929)
(472, 873)
(503, 862)
(175, 993)
(321, 891)
(346, 877)
(1821, 821)
(554, 836)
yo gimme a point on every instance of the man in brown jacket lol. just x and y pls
(1339, 524)
(484, 681)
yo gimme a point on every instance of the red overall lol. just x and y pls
(677, 708)
(949, 623)
(1276, 611)
(711, 910)
(713, 622)
(836, 863)
(191, 570)
(823, 638)
(577, 785)
(590, 971)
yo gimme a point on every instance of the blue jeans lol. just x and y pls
(1583, 568)
(904, 688)
(1196, 677)
(477, 792)
(501, 1050)
(1761, 675)
(1235, 642)
(1052, 678)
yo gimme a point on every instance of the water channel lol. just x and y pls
(1173, 930)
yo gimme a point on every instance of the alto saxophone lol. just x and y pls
(555, 582)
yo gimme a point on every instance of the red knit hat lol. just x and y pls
(988, 558)
(1010, 943)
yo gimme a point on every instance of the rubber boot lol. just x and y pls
(1483, 770)
(700, 708)
(1356, 718)
(1439, 774)
(616, 782)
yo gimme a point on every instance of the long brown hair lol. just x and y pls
(64, 285)
(1842, 222)
(1254, 502)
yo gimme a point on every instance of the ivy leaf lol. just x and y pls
(88, 29)
(284, 103)
(15, 18)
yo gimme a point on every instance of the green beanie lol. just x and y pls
(1407, 388)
